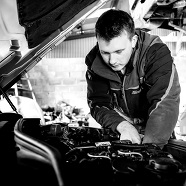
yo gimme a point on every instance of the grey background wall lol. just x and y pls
(54, 80)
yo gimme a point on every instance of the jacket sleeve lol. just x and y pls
(163, 95)
(100, 101)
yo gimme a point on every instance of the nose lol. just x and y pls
(112, 59)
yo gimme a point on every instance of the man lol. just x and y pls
(132, 81)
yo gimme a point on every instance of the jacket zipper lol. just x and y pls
(117, 105)
(123, 94)
(119, 110)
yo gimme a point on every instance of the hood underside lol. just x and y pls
(42, 18)
(38, 27)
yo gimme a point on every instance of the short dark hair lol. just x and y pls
(112, 23)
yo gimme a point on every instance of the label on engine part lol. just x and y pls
(103, 143)
(73, 125)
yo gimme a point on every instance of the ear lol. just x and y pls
(134, 40)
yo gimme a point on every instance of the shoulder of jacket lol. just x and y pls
(146, 38)
(151, 46)
(158, 49)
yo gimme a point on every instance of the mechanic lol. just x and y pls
(132, 82)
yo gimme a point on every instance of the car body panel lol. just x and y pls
(27, 107)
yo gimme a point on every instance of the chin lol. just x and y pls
(117, 69)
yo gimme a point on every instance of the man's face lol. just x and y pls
(116, 53)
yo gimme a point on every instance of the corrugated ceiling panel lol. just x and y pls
(77, 48)
(160, 32)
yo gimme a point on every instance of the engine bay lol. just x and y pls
(96, 156)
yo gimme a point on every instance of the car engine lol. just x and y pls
(96, 156)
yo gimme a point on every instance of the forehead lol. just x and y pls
(117, 43)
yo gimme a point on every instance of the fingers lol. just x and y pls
(128, 132)
(132, 136)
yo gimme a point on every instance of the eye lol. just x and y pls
(104, 53)
(119, 51)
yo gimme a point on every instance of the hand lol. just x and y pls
(128, 132)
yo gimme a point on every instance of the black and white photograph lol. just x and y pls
(93, 92)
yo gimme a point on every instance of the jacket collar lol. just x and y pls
(103, 70)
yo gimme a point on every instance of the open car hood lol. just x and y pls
(34, 28)
(30, 29)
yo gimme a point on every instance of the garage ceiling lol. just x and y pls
(147, 14)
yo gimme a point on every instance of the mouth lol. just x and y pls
(115, 67)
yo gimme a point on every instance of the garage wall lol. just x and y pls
(60, 79)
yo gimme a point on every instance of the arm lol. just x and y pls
(163, 96)
(100, 101)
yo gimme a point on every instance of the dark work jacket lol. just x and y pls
(149, 92)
